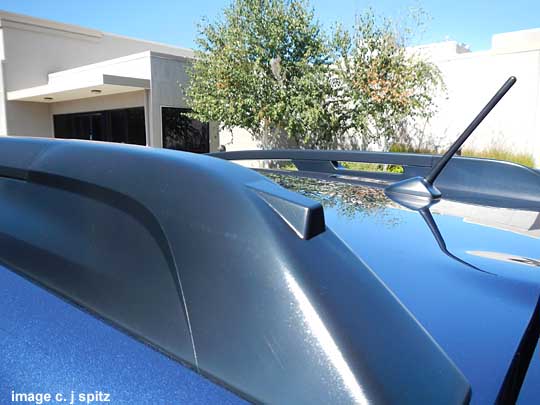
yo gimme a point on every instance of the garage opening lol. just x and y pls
(124, 125)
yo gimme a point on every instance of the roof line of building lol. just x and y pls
(157, 43)
(76, 29)
(114, 61)
(43, 23)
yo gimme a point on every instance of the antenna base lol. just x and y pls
(414, 193)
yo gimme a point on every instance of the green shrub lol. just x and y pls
(402, 148)
(524, 159)
(372, 167)
(281, 165)
(496, 153)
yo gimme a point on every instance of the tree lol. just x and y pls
(267, 66)
(385, 89)
(264, 67)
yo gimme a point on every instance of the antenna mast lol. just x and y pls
(419, 192)
(443, 161)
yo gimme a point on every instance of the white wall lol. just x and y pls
(472, 78)
(134, 66)
(237, 139)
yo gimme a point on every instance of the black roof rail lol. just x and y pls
(300, 155)
(328, 161)
(476, 180)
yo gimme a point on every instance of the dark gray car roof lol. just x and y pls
(219, 268)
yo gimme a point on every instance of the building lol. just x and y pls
(61, 80)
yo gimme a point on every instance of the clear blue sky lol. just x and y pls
(174, 21)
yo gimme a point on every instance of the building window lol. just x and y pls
(181, 132)
(123, 126)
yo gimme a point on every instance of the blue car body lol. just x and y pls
(50, 346)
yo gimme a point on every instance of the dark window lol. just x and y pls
(181, 132)
(123, 126)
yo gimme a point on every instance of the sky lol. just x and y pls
(175, 22)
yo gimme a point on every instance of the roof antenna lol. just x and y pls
(419, 188)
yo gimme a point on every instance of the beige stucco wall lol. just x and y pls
(169, 79)
(239, 139)
(516, 41)
(27, 119)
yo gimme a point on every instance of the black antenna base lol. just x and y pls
(414, 193)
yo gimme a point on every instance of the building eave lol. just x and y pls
(100, 85)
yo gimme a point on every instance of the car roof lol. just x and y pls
(219, 268)
(468, 272)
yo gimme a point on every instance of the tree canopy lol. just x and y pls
(269, 67)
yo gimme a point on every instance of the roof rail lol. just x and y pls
(476, 180)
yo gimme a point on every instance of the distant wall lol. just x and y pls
(28, 119)
(473, 77)
(237, 139)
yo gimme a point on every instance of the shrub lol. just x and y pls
(525, 159)
(372, 167)
(402, 148)
(497, 153)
